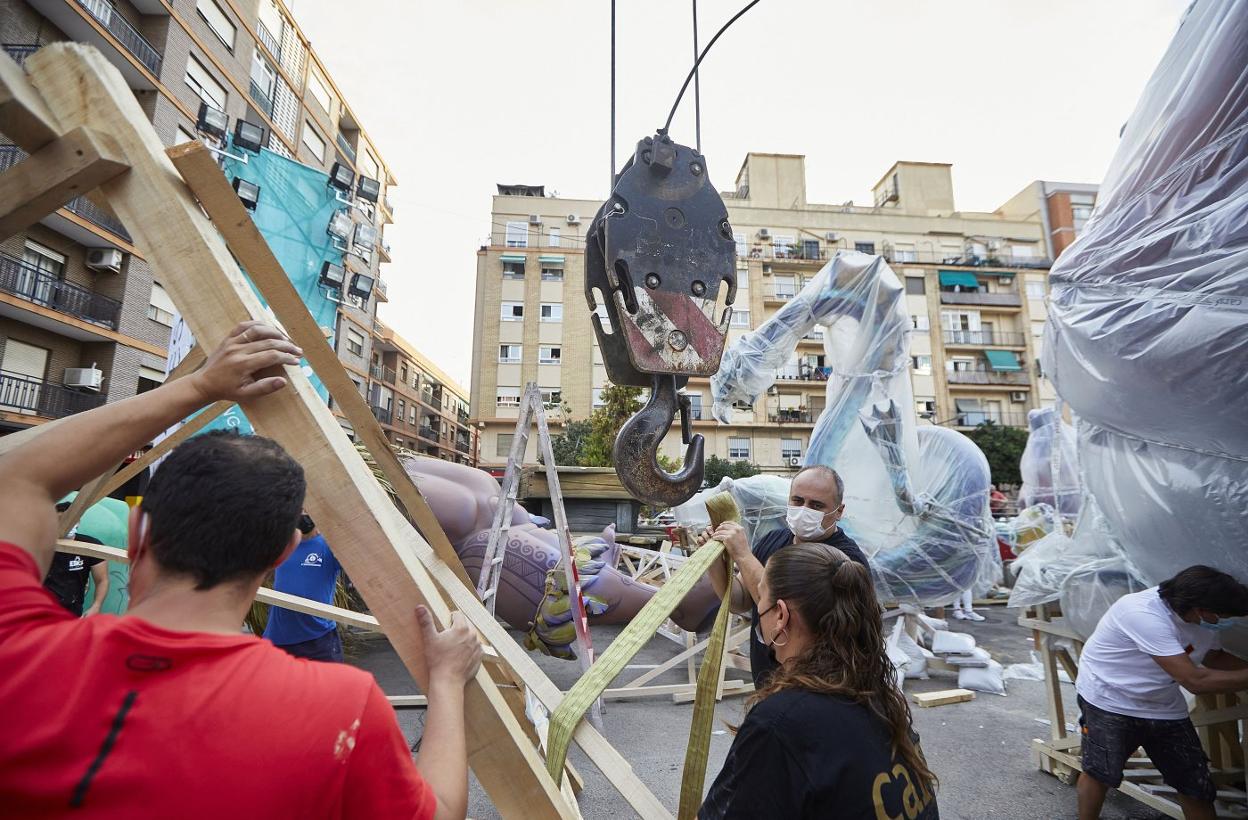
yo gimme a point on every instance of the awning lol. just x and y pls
(966, 405)
(552, 259)
(958, 278)
(1002, 360)
(512, 257)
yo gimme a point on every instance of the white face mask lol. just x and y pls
(806, 523)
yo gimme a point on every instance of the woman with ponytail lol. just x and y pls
(829, 735)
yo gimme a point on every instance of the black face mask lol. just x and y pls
(306, 524)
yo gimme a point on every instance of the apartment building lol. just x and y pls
(83, 318)
(975, 289)
(419, 406)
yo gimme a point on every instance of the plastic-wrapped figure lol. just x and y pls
(1049, 469)
(917, 497)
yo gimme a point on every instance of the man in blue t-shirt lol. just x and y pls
(816, 505)
(311, 572)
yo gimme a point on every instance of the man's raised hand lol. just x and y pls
(232, 370)
(452, 655)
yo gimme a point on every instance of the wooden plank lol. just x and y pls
(50, 177)
(373, 542)
(198, 167)
(1057, 627)
(737, 687)
(944, 697)
(24, 117)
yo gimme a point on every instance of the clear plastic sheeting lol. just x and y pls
(1147, 336)
(1049, 468)
(762, 500)
(1089, 590)
(916, 497)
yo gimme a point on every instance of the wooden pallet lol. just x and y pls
(1221, 721)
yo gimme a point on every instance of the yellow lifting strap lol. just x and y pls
(642, 628)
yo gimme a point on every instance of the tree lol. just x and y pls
(1003, 447)
(567, 446)
(716, 468)
(618, 404)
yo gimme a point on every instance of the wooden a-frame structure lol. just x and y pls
(82, 126)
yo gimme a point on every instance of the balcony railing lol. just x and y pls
(11, 155)
(974, 418)
(263, 101)
(975, 298)
(797, 252)
(462, 415)
(375, 371)
(346, 147)
(780, 293)
(985, 376)
(461, 446)
(785, 416)
(41, 398)
(28, 282)
(126, 34)
(383, 414)
(20, 51)
(986, 338)
(805, 374)
(270, 42)
(428, 433)
(385, 200)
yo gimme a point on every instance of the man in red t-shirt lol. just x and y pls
(169, 710)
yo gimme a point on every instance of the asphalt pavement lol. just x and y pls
(979, 749)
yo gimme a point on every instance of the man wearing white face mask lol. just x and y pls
(1144, 648)
(816, 504)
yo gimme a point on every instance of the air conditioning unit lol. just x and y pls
(573, 219)
(795, 461)
(534, 219)
(104, 259)
(84, 378)
(1018, 396)
(763, 233)
(831, 237)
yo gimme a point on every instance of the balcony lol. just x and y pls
(964, 260)
(28, 282)
(984, 338)
(783, 252)
(982, 299)
(461, 415)
(974, 418)
(263, 101)
(385, 201)
(270, 42)
(99, 23)
(780, 293)
(36, 397)
(379, 285)
(461, 446)
(804, 373)
(347, 148)
(11, 155)
(427, 433)
(383, 414)
(383, 251)
(813, 337)
(1009, 378)
(791, 416)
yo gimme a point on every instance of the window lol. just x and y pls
(402, 409)
(695, 406)
(552, 274)
(263, 76)
(552, 397)
(597, 397)
(1035, 290)
(411, 414)
(922, 364)
(782, 246)
(601, 312)
(403, 374)
(513, 312)
(864, 247)
(553, 237)
(202, 83)
(738, 447)
(319, 91)
(502, 444)
(368, 165)
(915, 285)
(905, 253)
(161, 307)
(790, 448)
(549, 354)
(920, 323)
(508, 397)
(313, 142)
(742, 246)
(217, 21)
(517, 235)
(355, 342)
(46, 260)
(552, 312)
(513, 270)
(786, 287)
(509, 354)
(740, 318)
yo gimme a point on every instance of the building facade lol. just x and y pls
(975, 289)
(419, 406)
(83, 318)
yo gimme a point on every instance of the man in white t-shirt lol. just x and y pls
(1147, 646)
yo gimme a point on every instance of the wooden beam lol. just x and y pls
(24, 118)
(47, 179)
(375, 545)
(201, 172)
(943, 698)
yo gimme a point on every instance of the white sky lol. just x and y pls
(461, 95)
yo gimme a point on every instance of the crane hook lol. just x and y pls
(637, 447)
